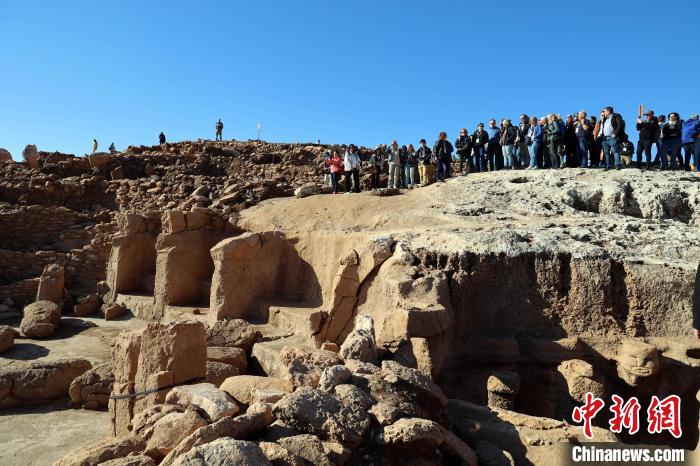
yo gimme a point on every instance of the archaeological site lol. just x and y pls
(211, 303)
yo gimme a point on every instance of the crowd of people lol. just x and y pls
(550, 142)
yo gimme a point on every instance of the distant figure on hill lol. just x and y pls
(219, 130)
(94, 146)
(161, 138)
(112, 149)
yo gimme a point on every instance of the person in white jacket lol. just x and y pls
(393, 156)
(351, 164)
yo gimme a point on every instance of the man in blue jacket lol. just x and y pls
(690, 135)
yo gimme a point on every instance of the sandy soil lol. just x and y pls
(42, 434)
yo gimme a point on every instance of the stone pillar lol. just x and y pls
(503, 387)
(51, 284)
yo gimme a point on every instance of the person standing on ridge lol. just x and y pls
(112, 149)
(351, 164)
(581, 128)
(493, 149)
(94, 146)
(425, 157)
(613, 127)
(522, 154)
(161, 138)
(443, 153)
(219, 130)
(464, 149)
(480, 140)
(393, 156)
(648, 130)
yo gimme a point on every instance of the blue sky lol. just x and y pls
(362, 71)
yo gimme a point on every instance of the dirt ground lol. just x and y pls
(42, 434)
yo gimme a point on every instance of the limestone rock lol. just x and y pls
(38, 381)
(428, 394)
(359, 345)
(280, 456)
(92, 388)
(86, 305)
(131, 460)
(170, 430)
(306, 190)
(40, 319)
(5, 155)
(351, 395)
(101, 452)
(224, 452)
(239, 387)
(332, 376)
(308, 447)
(231, 332)
(7, 337)
(204, 396)
(217, 372)
(228, 355)
(414, 433)
(315, 412)
(254, 421)
(142, 424)
(51, 284)
(113, 311)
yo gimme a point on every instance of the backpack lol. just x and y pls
(626, 148)
(689, 129)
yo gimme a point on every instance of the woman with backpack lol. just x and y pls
(335, 165)
(411, 167)
(553, 135)
(443, 153)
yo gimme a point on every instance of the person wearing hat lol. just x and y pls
(463, 145)
(648, 129)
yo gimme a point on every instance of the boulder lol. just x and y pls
(427, 393)
(280, 456)
(332, 376)
(217, 372)
(224, 452)
(240, 387)
(30, 154)
(7, 337)
(38, 381)
(319, 413)
(5, 155)
(51, 284)
(91, 389)
(101, 452)
(231, 332)
(228, 355)
(351, 395)
(266, 395)
(86, 305)
(413, 433)
(308, 447)
(40, 319)
(131, 460)
(247, 425)
(170, 430)
(306, 190)
(215, 403)
(359, 345)
(113, 311)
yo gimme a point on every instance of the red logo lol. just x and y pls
(625, 415)
(665, 415)
(587, 412)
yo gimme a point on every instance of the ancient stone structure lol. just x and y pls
(331, 331)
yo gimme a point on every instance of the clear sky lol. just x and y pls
(361, 71)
